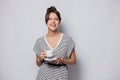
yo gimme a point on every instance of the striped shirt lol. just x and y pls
(63, 49)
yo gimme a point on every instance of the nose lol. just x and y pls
(53, 20)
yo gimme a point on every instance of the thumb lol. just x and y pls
(43, 50)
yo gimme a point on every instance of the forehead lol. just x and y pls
(52, 14)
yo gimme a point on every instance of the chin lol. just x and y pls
(53, 29)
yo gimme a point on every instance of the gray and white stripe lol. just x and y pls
(63, 49)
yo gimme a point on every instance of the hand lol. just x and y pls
(60, 61)
(42, 55)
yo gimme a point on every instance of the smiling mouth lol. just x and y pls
(53, 25)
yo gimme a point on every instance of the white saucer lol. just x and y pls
(50, 59)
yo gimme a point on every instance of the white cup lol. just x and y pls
(49, 53)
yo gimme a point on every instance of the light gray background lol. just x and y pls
(93, 24)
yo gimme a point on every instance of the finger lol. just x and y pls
(43, 53)
(62, 59)
(58, 59)
(57, 62)
(43, 50)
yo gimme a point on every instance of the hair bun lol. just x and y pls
(52, 8)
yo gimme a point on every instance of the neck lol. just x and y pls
(53, 33)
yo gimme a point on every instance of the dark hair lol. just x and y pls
(54, 10)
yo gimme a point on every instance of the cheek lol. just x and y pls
(48, 22)
(58, 22)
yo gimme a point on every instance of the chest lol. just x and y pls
(60, 48)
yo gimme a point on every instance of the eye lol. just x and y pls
(56, 19)
(50, 19)
(53, 19)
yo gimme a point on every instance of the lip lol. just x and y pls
(53, 25)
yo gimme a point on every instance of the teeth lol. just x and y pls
(53, 25)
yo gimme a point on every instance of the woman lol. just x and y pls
(59, 46)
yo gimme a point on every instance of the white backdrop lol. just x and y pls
(93, 24)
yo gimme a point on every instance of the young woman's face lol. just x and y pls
(53, 22)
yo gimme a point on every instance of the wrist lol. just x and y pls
(41, 59)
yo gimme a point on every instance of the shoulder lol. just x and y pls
(40, 39)
(67, 37)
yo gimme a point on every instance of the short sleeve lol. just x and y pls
(37, 47)
(71, 46)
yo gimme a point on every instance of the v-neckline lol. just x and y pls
(57, 43)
